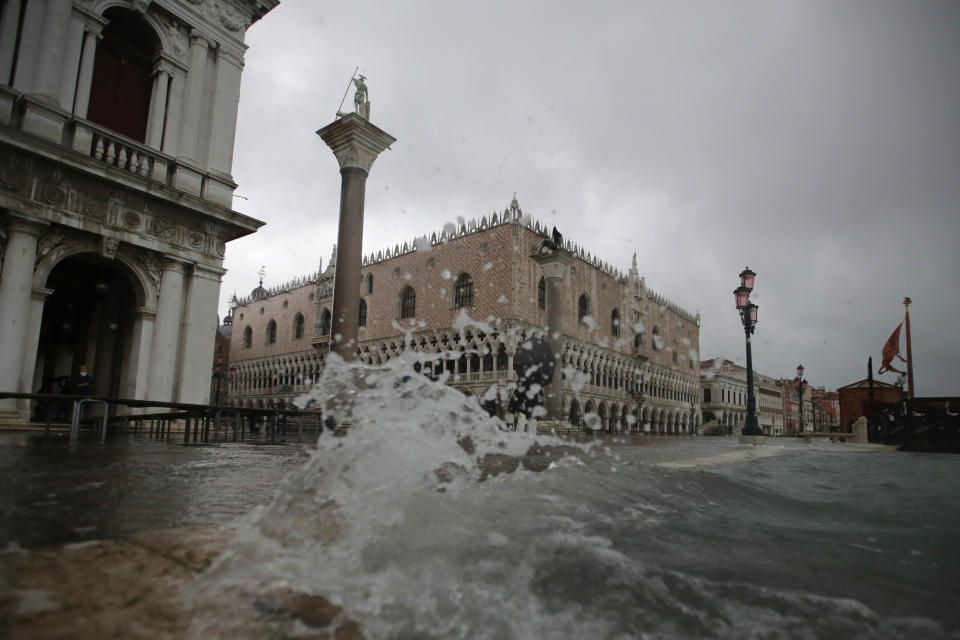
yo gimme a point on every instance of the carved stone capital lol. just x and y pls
(355, 142)
(19, 223)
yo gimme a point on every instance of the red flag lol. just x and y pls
(891, 350)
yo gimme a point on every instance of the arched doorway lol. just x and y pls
(575, 414)
(87, 320)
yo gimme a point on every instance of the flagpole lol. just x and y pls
(906, 305)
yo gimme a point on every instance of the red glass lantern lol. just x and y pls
(742, 296)
(746, 278)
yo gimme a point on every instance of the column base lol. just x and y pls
(42, 120)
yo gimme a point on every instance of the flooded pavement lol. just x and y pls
(636, 537)
(55, 492)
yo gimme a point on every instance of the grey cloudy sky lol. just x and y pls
(817, 142)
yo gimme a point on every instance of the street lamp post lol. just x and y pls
(748, 316)
(801, 385)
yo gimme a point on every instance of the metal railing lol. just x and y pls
(200, 423)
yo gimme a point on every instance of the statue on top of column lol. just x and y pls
(361, 102)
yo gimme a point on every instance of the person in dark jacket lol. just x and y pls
(83, 382)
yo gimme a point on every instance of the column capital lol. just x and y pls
(198, 38)
(355, 142)
(145, 313)
(207, 271)
(40, 293)
(17, 221)
(168, 65)
(174, 263)
(553, 262)
(92, 22)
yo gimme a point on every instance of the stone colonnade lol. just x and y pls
(596, 380)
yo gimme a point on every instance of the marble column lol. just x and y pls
(356, 144)
(554, 264)
(91, 35)
(158, 106)
(166, 331)
(199, 333)
(9, 20)
(16, 291)
(189, 147)
(54, 39)
(171, 137)
(226, 99)
(71, 62)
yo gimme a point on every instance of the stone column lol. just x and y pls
(199, 333)
(158, 106)
(356, 144)
(29, 54)
(193, 100)
(166, 332)
(16, 289)
(226, 99)
(554, 264)
(85, 76)
(71, 62)
(54, 40)
(171, 137)
(9, 20)
(38, 298)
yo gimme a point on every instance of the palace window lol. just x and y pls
(583, 307)
(657, 340)
(271, 332)
(463, 291)
(638, 341)
(369, 285)
(362, 320)
(408, 303)
(325, 323)
(542, 294)
(247, 338)
(676, 353)
(615, 322)
(122, 69)
(706, 394)
(298, 326)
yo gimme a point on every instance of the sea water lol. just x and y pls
(400, 523)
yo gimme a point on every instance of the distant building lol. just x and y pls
(464, 299)
(724, 387)
(854, 400)
(826, 409)
(117, 123)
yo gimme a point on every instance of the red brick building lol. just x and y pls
(465, 298)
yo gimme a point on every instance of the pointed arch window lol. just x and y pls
(298, 326)
(271, 332)
(463, 291)
(325, 323)
(676, 353)
(408, 303)
(247, 337)
(542, 293)
(657, 340)
(615, 322)
(583, 307)
(362, 320)
(368, 285)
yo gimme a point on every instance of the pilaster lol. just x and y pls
(199, 332)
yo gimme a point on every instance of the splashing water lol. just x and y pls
(396, 523)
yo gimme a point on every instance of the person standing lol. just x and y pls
(83, 382)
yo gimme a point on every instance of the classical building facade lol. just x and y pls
(117, 123)
(464, 299)
(724, 386)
